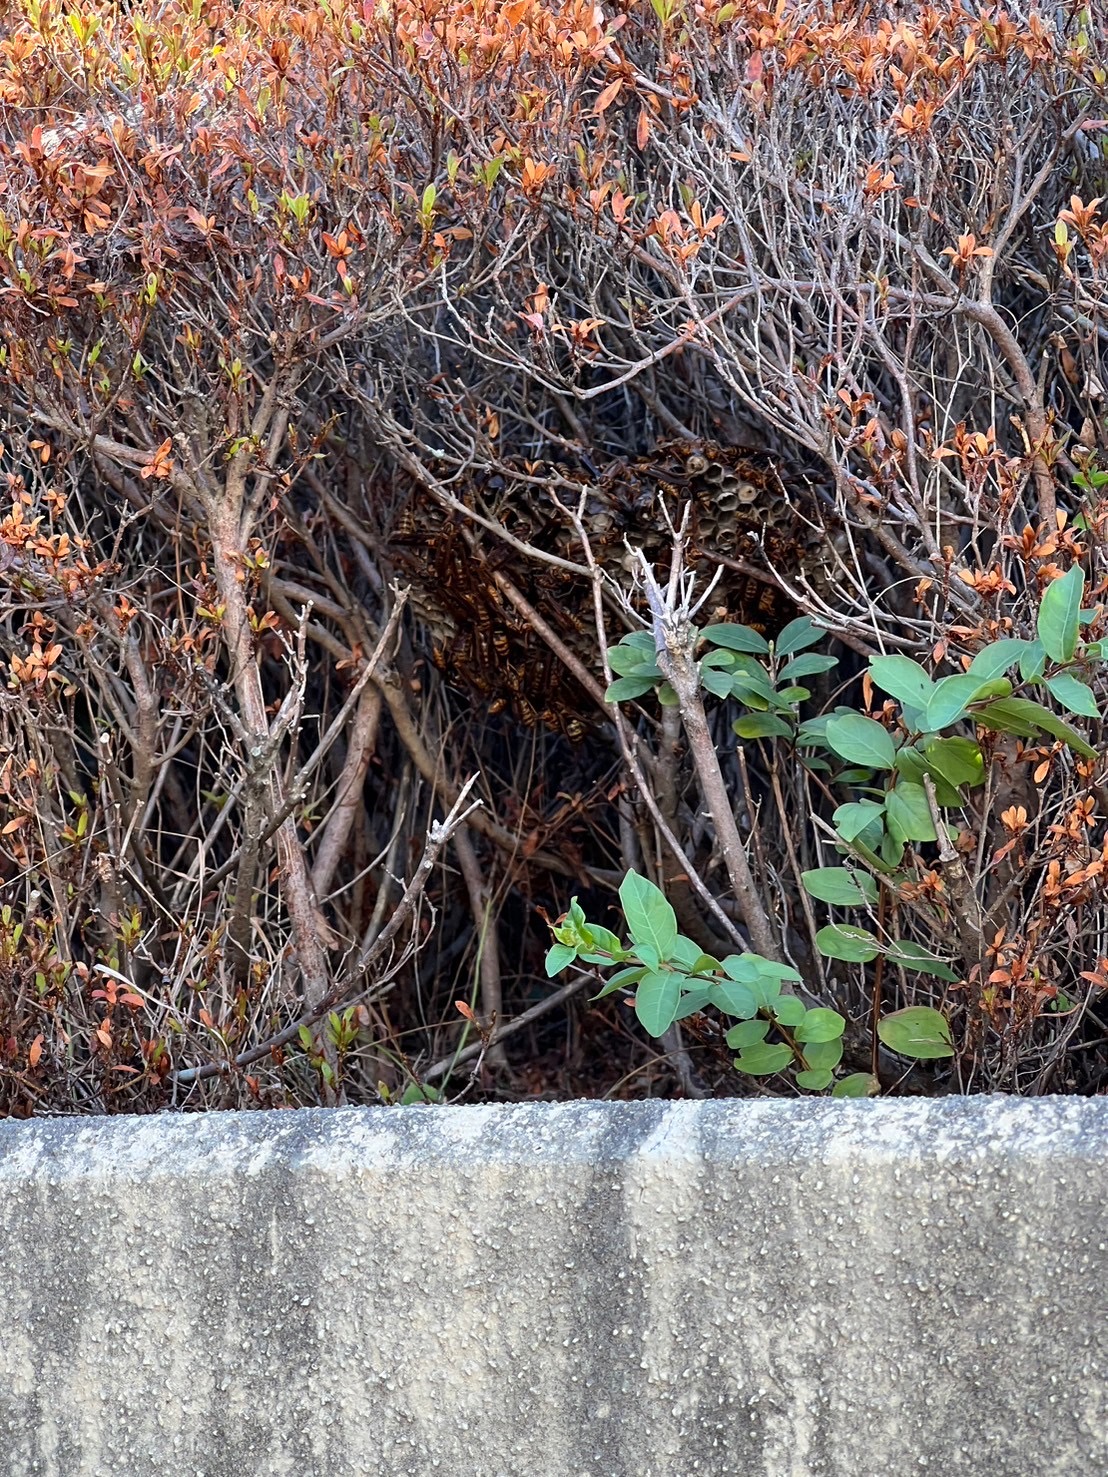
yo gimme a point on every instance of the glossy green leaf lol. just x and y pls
(901, 678)
(821, 1024)
(788, 1011)
(692, 1002)
(719, 658)
(797, 636)
(763, 1061)
(856, 816)
(736, 638)
(417, 1093)
(649, 915)
(913, 956)
(685, 953)
(626, 689)
(657, 999)
(1060, 615)
(558, 956)
(958, 761)
(861, 741)
(716, 682)
(949, 700)
(629, 660)
(747, 1033)
(912, 766)
(735, 998)
(996, 658)
(811, 664)
(762, 725)
(908, 815)
(918, 1032)
(815, 1081)
(1021, 716)
(623, 979)
(1074, 695)
(823, 1055)
(842, 941)
(840, 888)
(1032, 662)
(858, 1084)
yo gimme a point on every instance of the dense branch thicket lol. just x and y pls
(348, 351)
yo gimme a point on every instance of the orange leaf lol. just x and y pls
(463, 1009)
(34, 1056)
(608, 96)
(642, 131)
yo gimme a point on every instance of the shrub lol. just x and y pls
(302, 304)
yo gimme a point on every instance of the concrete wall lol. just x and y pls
(648, 1290)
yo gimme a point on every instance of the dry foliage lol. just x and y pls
(289, 290)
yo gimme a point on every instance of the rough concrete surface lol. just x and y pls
(820, 1289)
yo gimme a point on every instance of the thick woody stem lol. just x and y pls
(673, 640)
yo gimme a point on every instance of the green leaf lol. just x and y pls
(628, 660)
(858, 1084)
(693, 1001)
(685, 953)
(648, 955)
(788, 1011)
(908, 815)
(1033, 661)
(741, 967)
(623, 979)
(798, 635)
(823, 1055)
(1060, 615)
(949, 700)
(657, 999)
(808, 665)
(416, 1092)
(747, 1033)
(958, 761)
(667, 697)
(736, 638)
(1073, 694)
(841, 941)
(918, 1032)
(763, 1061)
(724, 659)
(901, 678)
(995, 659)
(735, 998)
(716, 682)
(771, 969)
(1021, 716)
(912, 766)
(815, 1081)
(861, 741)
(840, 888)
(821, 1024)
(558, 956)
(649, 915)
(762, 725)
(856, 816)
(999, 687)
(912, 956)
(625, 689)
